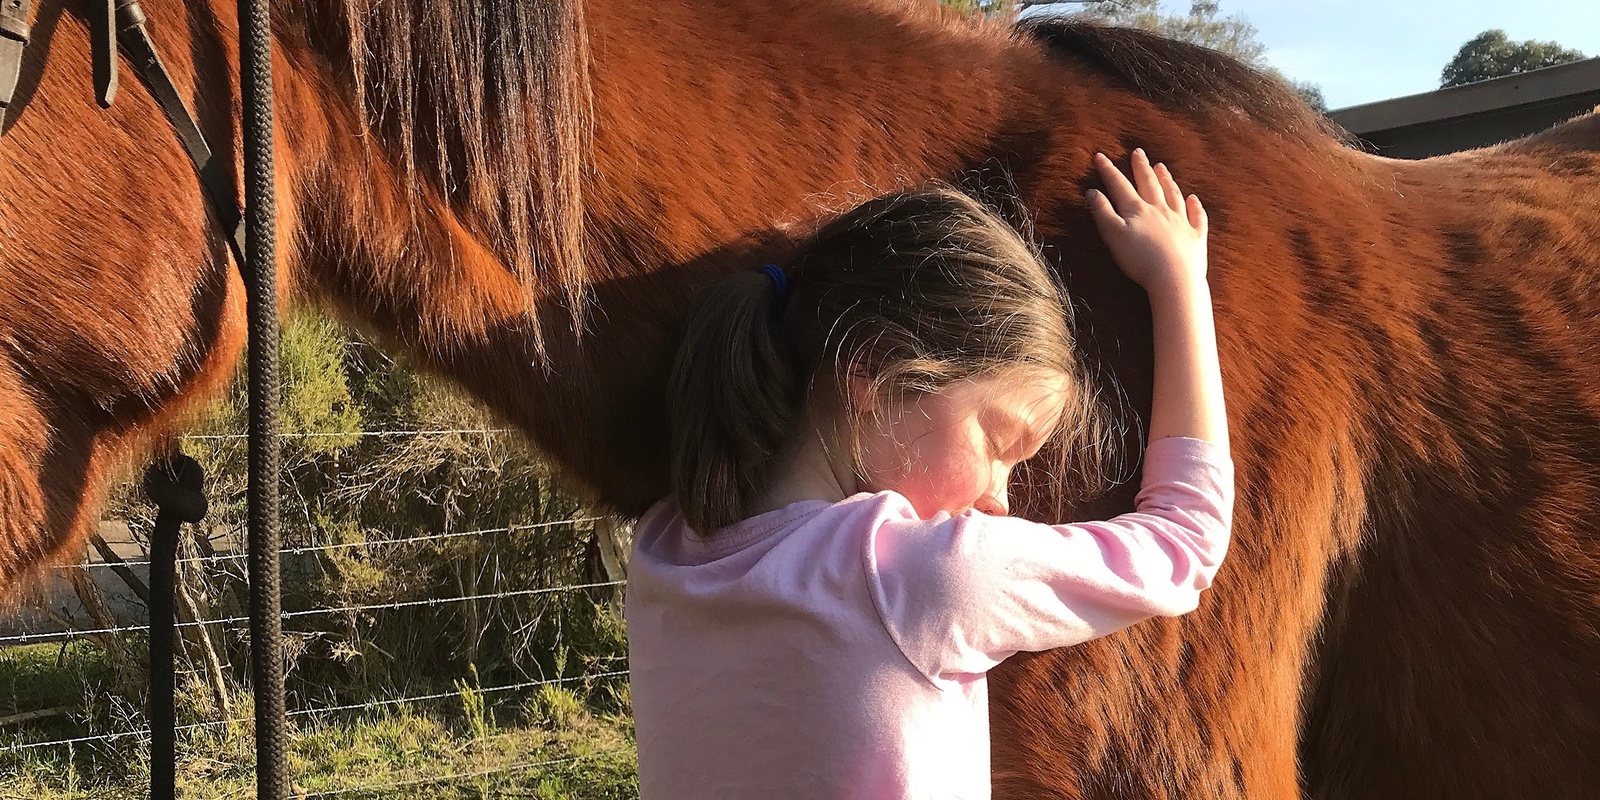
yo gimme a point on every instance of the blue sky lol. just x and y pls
(1360, 52)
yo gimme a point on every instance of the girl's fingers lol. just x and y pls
(1124, 198)
(1197, 214)
(1145, 178)
(1169, 187)
(1100, 208)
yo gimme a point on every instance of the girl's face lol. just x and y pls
(954, 450)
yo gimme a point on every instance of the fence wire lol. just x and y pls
(323, 548)
(317, 712)
(56, 636)
(213, 437)
(369, 705)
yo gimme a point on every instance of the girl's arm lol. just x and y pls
(1159, 239)
(960, 594)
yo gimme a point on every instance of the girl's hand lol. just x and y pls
(1156, 235)
(1159, 240)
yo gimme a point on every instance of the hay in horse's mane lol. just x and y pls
(1181, 75)
(488, 102)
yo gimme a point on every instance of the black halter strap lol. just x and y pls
(141, 53)
(114, 22)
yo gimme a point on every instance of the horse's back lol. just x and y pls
(1525, 215)
(1469, 621)
(1581, 133)
(1537, 200)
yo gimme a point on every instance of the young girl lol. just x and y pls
(812, 613)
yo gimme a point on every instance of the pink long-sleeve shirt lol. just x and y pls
(839, 650)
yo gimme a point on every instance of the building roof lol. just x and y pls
(1476, 114)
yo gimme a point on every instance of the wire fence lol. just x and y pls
(208, 571)
(55, 636)
(215, 437)
(303, 712)
(324, 548)
(70, 633)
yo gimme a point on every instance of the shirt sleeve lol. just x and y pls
(961, 594)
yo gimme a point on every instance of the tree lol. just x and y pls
(1203, 25)
(986, 7)
(1312, 94)
(1492, 55)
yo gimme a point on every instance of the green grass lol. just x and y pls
(399, 755)
(49, 675)
(552, 744)
(592, 759)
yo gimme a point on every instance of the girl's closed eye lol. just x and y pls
(1017, 447)
(1023, 435)
(998, 448)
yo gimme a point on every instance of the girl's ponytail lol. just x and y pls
(734, 399)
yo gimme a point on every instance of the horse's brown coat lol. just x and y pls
(1409, 348)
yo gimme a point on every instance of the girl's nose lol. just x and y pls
(993, 504)
(993, 501)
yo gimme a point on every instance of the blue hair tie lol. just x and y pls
(780, 286)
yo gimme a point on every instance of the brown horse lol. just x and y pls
(1411, 607)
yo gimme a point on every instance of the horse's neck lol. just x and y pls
(715, 126)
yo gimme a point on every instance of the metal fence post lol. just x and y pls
(176, 486)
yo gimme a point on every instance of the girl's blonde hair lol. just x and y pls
(912, 291)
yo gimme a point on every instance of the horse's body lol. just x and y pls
(1410, 609)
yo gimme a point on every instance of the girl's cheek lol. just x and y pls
(953, 486)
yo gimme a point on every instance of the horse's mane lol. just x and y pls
(1183, 76)
(488, 103)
